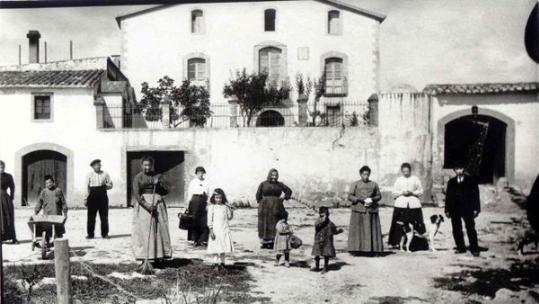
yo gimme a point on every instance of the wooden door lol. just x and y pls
(36, 166)
(168, 163)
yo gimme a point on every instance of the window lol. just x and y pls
(270, 63)
(196, 69)
(197, 22)
(42, 107)
(335, 80)
(334, 23)
(269, 20)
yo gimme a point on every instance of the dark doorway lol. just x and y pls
(270, 118)
(169, 163)
(478, 141)
(37, 164)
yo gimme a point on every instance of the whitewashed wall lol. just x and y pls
(154, 44)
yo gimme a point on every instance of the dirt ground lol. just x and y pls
(499, 275)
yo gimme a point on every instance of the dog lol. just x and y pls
(431, 230)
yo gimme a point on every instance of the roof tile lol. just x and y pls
(481, 88)
(63, 78)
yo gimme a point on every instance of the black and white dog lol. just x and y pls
(432, 229)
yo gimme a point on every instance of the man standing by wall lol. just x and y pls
(462, 203)
(97, 182)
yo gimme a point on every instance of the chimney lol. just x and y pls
(33, 41)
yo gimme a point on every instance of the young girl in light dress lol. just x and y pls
(282, 241)
(220, 240)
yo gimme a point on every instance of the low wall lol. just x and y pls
(317, 163)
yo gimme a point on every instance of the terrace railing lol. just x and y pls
(326, 113)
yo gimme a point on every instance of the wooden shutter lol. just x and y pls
(334, 76)
(197, 21)
(270, 62)
(334, 22)
(196, 69)
(269, 20)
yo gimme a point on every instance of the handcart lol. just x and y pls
(48, 227)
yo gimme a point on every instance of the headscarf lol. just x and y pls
(270, 172)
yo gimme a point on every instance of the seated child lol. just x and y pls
(282, 241)
(323, 239)
(52, 202)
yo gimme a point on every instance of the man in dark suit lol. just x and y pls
(462, 203)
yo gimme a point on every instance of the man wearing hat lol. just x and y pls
(97, 183)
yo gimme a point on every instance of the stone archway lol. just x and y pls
(500, 123)
(60, 158)
(270, 118)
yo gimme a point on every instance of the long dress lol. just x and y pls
(407, 209)
(218, 217)
(150, 235)
(198, 190)
(365, 233)
(7, 210)
(270, 208)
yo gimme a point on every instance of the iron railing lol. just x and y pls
(322, 114)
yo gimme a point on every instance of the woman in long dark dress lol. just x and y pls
(365, 233)
(270, 196)
(150, 219)
(7, 210)
(198, 191)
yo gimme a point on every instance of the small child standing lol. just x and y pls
(52, 202)
(323, 239)
(219, 213)
(282, 241)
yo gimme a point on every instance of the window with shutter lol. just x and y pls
(334, 23)
(196, 71)
(270, 63)
(269, 20)
(197, 22)
(335, 80)
(42, 107)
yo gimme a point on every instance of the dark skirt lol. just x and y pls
(365, 234)
(199, 229)
(7, 217)
(402, 219)
(270, 211)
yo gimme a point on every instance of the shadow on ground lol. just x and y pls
(486, 282)
(104, 283)
(394, 300)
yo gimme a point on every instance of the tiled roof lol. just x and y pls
(52, 79)
(342, 4)
(481, 88)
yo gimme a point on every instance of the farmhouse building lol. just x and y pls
(59, 116)
(207, 43)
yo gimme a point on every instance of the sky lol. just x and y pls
(421, 41)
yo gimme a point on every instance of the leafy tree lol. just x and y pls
(189, 103)
(254, 93)
(304, 86)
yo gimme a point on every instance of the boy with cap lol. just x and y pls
(97, 183)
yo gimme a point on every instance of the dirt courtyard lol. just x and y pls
(499, 275)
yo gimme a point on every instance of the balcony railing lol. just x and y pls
(326, 113)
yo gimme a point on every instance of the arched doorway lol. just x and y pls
(35, 166)
(479, 141)
(270, 118)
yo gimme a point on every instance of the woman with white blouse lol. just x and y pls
(198, 192)
(407, 212)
